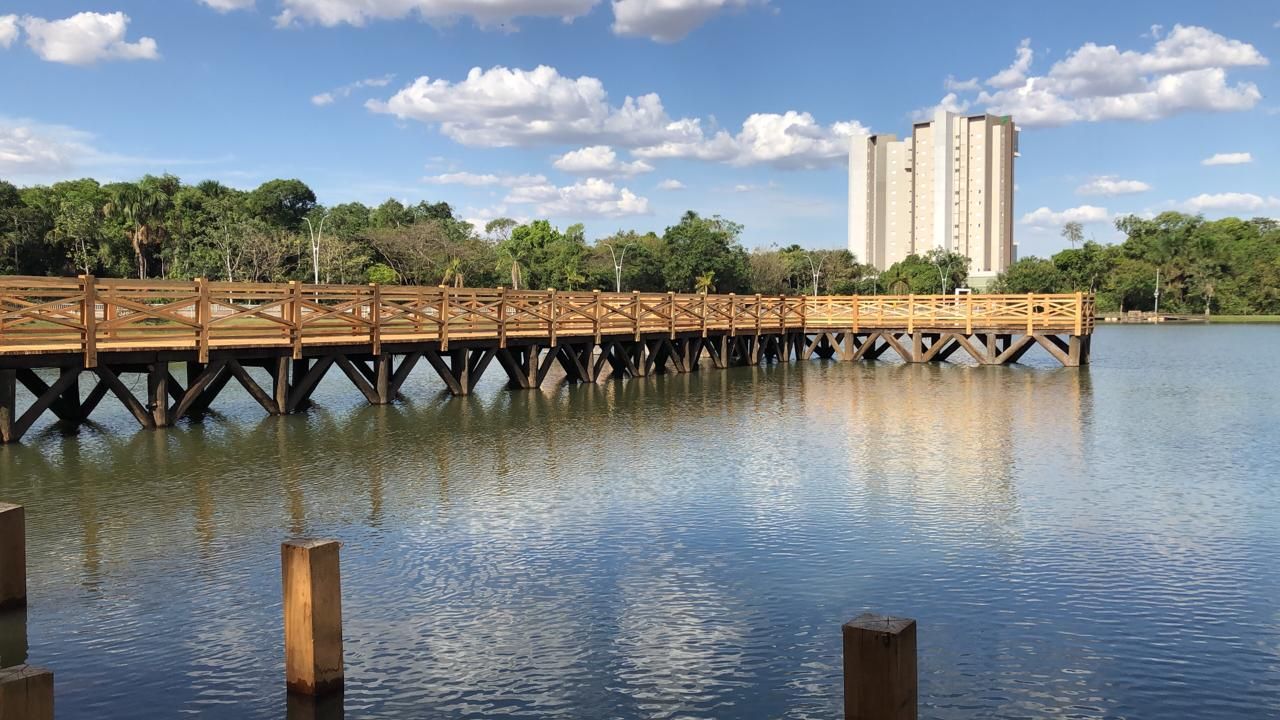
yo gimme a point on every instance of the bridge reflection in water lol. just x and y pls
(295, 334)
(513, 534)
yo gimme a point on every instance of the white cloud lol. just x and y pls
(953, 85)
(599, 161)
(228, 5)
(668, 20)
(8, 30)
(1240, 158)
(790, 140)
(503, 107)
(670, 184)
(484, 12)
(1185, 70)
(1231, 201)
(1111, 185)
(1045, 217)
(29, 149)
(328, 98)
(86, 38)
(592, 197)
(950, 102)
(1015, 74)
(479, 180)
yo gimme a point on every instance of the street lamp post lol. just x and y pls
(816, 270)
(316, 236)
(617, 263)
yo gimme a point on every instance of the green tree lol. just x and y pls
(697, 246)
(282, 203)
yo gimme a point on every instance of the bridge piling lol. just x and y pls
(311, 586)
(880, 675)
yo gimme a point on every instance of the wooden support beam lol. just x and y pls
(304, 385)
(401, 374)
(26, 693)
(1078, 349)
(895, 342)
(1054, 346)
(13, 557)
(91, 400)
(312, 616)
(197, 386)
(978, 353)
(279, 367)
(205, 400)
(443, 370)
(476, 366)
(8, 405)
(357, 378)
(880, 676)
(255, 390)
(59, 404)
(158, 393)
(517, 374)
(1014, 350)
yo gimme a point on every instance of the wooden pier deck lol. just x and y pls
(377, 334)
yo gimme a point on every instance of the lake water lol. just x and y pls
(1091, 543)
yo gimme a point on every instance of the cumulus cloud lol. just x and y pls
(1044, 217)
(592, 197)
(951, 102)
(503, 107)
(668, 20)
(1240, 158)
(8, 30)
(792, 140)
(1231, 201)
(228, 5)
(1111, 185)
(599, 161)
(481, 180)
(328, 98)
(484, 12)
(670, 184)
(1015, 74)
(953, 85)
(1184, 70)
(85, 38)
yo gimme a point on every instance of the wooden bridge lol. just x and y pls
(376, 335)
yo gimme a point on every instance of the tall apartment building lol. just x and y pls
(949, 185)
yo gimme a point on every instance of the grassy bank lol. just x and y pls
(1244, 319)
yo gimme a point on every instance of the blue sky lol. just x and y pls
(624, 113)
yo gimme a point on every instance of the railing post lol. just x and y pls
(880, 668)
(758, 307)
(26, 692)
(203, 317)
(595, 314)
(1079, 313)
(733, 315)
(375, 318)
(295, 319)
(671, 312)
(444, 319)
(89, 319)
(502, 317)
(312, 616)
(857, 314)
(551, 316)
(911, 313)
(1031, 327)
(635, 298)
(704, 315)
(13, 556)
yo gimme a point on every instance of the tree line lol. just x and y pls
(1229, 266)
(160, 227)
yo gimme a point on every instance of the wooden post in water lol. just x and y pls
(880, 668)
(312, 616)
(26, 693)
(13, 556)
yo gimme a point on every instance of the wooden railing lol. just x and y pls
(88, 315)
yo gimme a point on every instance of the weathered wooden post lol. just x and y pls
(312, 616)
(13, 556)
(880, 668)
(26, 692)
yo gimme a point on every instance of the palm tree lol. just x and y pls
(142, 205)
(705, 283)
(452, 271)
